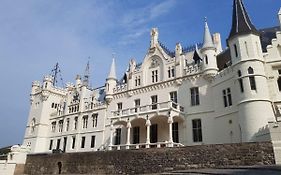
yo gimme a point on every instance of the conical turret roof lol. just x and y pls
(112, 73)
(208, 41)
(241, 23)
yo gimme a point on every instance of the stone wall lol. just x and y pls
(152, 160)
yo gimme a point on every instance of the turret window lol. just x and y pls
(252, 79)
(235, 50)
(246, 47)
(206, 59)
(240, 80)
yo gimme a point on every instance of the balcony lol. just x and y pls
(158, 108)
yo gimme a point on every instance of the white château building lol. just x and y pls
(195, 95)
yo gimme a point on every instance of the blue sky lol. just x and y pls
(35, 34)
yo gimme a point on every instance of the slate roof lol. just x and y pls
(267, 35)
(241, 23)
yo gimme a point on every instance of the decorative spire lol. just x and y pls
(112, 73)
(241, 23)
(208, 41)
(87, 74)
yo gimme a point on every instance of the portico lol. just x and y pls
(146, 132)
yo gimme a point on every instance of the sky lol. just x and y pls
(36, 34)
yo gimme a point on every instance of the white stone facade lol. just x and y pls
(171, 99)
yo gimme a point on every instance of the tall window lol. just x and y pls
(137, 104)
(51, 145)
(206, 59)
(73, 142)
(60, 125)
(154, 76)
(154, 101)
(240, 80)
(83, 142)
(95, 120)
(175, 132)
(137, 81)
(252, 79)
(227, 97)
(85, 122)
(235, 50)
(136, 135)
(118, 136)
(194, 93)
(32, 125)
(67, 124)
(279, 79)
(197, 130)
(93, 141)
(247, 50)
(58, 144)
(174, 96)
(75, 123)
(171, 72)
(53, 127)
(119, 106)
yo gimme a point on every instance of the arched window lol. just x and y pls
(240, 80)
(32, 125)
(252, 79)
(250, 70)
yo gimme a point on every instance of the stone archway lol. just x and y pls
(138, 134)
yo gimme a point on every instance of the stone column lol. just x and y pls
(148, 124)
(170, 122)
(111, 137)
(128, 134)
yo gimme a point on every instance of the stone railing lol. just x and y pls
(157, 107)
(146, 145)
(193, 69)
(120, 88)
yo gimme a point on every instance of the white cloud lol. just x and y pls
(135, 22)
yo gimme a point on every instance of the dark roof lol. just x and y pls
(196, 57)
(224, 59)
(267, 35)
(187, 49)
(241, 23)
